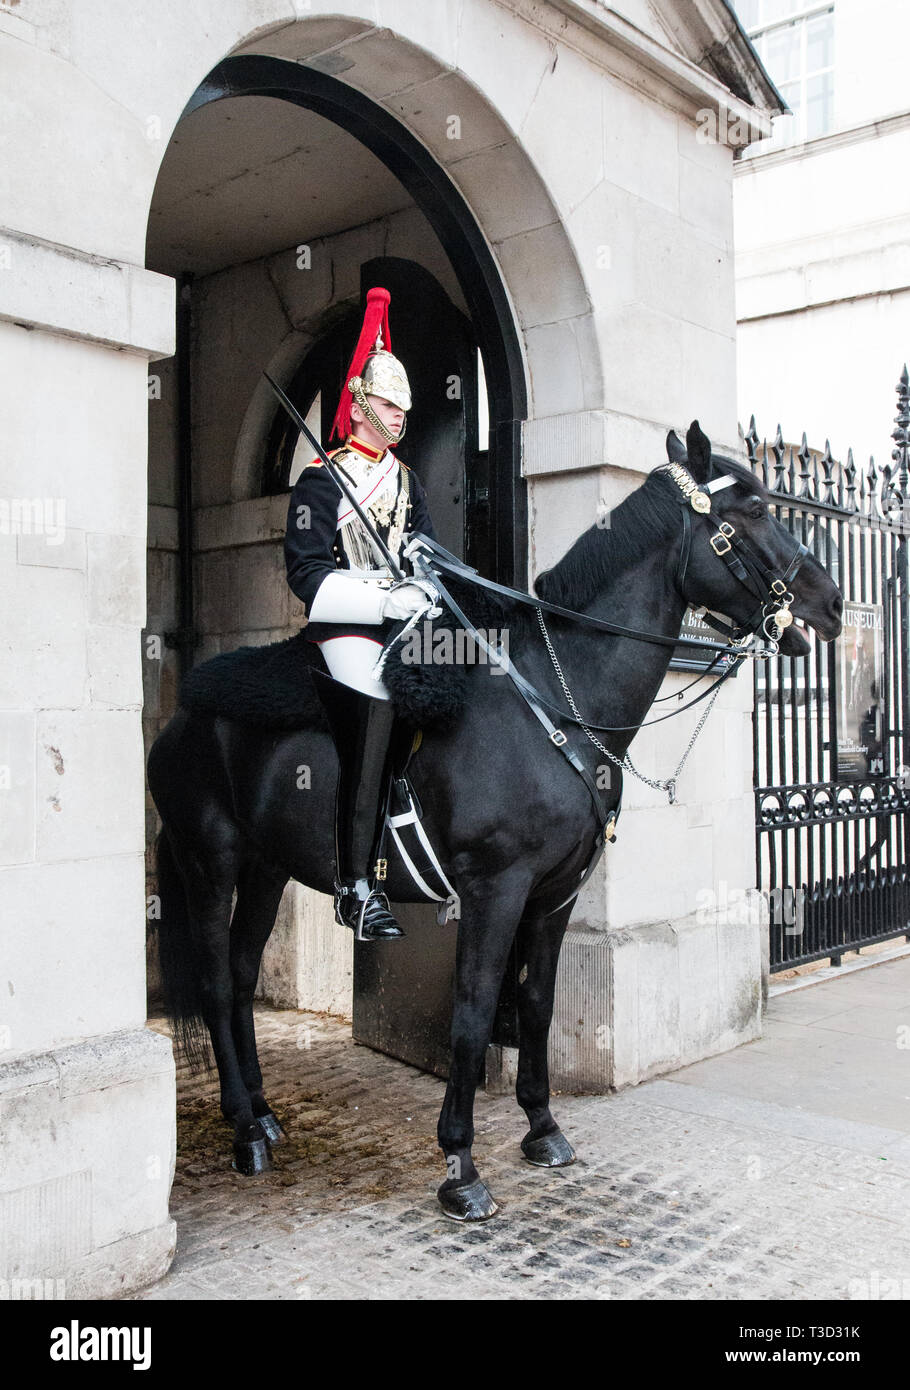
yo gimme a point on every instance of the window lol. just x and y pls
(795, 41)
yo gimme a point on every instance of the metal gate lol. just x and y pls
(831, 730)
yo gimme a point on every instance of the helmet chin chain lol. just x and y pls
(355, 386)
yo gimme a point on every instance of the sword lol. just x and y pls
(395, 568)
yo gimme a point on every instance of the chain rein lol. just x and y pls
(625, 764)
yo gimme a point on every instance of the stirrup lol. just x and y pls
(370, 918)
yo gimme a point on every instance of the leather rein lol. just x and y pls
(770, 618)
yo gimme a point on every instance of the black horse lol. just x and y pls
(511, 821)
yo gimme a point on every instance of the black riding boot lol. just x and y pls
(362, 730)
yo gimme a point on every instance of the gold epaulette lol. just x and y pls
(317, 463)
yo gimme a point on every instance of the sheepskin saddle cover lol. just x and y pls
(271, 688)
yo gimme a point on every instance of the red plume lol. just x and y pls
(375, 320)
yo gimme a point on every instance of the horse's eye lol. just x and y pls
(757, 509)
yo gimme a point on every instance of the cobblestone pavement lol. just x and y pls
(677, 1193)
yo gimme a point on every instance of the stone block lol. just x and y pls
(319, 33)
(561, 507)
(504, 191)
(308, 962)
(709, 379)
(428, 109)
(163, 488)
(67, 552)
(706, 200)
(238, 321)
(260, 580)
(89, 783)
(435, 28)
(563, 130)
(379, 64)
(303, 294)
(87, 181)
(116, 580)
(645, 1000)
(488, 32)
(74, 965)
(555, 367)
(114, 661)
(640, 140)
(564, 444)
(410, 236)
(542, 277)
(641, 345)
(579, 1049)
(91, 1126)
(248, 522)
(217, 601)
(17, 787)
(87, 446)
(44, 615)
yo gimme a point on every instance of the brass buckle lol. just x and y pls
(558, 737)
(382, 870)
(778, 587)
(719, 544)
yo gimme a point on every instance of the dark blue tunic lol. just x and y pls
(313, 545)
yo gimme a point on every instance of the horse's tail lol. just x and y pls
(177, 953)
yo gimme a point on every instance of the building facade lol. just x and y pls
(203, 195)
(821, 219)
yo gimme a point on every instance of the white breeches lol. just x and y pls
(351, 659)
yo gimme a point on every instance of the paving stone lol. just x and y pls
(712, 1206)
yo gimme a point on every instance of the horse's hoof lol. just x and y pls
(472, 1203)
(550, 1151)
(251, 1157)
(271, 1128)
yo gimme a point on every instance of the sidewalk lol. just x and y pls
(780, 1170)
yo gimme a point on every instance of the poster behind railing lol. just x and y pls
(859, 677)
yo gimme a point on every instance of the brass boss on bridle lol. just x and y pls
(772, 616)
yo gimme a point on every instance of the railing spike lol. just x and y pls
(848, 497)
(827, 463)
(778, 450)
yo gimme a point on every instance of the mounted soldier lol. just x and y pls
(338, 566)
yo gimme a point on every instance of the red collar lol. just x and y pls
(367, 450)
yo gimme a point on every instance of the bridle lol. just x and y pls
(772, 615)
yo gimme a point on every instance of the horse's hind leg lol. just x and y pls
(538, 942)
(489, 918)
(259, 890)
(209, 891)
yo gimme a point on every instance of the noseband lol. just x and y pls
(772, 615)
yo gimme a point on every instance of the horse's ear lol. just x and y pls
(676, 449)
(698, 452)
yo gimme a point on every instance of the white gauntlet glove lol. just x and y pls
(413, 596)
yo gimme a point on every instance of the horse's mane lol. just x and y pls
(647, 518)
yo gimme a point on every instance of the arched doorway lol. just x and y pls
(465, 246)
(228, 551)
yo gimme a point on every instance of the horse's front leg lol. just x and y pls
(539, 941)
(490, 912)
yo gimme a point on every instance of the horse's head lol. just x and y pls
(738, 559)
